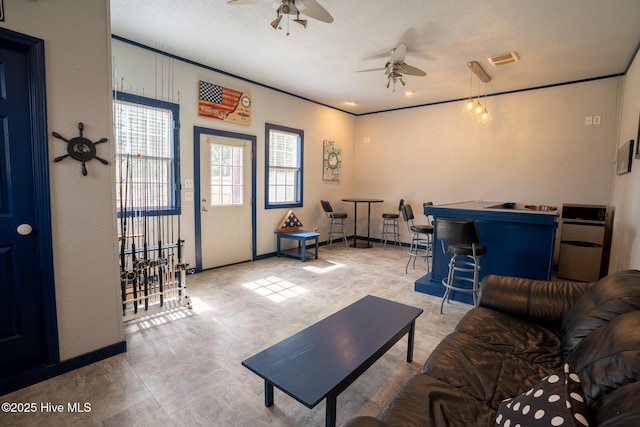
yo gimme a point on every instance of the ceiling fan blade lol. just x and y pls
(398, 54)
(312, 9)
(411, 71)
(372, 69)
(248, 1)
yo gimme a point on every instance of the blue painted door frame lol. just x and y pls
(197, 132)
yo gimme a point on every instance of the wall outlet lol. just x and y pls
(188, 196)
(588, 120)
(596, 120)
(188, 183)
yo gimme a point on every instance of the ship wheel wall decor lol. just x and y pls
(80, 148)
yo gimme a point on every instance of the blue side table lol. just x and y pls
(301, 237)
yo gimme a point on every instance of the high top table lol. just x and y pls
(321, 361)
(355, 202)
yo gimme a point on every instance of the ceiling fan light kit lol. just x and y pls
(310, 8)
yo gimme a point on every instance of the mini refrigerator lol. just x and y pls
(582, 242)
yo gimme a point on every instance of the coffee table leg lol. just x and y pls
(412, 328)
(330, 420)
(268, 394)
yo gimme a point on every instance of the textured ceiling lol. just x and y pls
(558, 41)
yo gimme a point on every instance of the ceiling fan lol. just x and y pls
(396, 67)
(310, 8)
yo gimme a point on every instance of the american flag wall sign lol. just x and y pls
(224, 104)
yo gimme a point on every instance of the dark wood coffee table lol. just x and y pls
(322, 360)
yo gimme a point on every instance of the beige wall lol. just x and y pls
(625, 251)
(78, 70)
(536, 150)
(140, 70)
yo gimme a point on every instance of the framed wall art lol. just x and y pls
(224, 104)
(625, 155)
(331, 161)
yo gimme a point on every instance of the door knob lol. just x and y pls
(24, 229)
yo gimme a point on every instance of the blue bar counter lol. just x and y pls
(520, 242)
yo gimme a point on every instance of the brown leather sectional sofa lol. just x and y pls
(524, 335)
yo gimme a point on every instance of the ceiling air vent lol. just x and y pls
(503, 59)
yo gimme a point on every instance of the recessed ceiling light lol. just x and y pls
(410, 92)
(350, 103)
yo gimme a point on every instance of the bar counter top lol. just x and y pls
(488, 209)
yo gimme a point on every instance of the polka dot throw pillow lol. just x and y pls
(557, 400)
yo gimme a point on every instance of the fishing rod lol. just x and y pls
(123, 239)
(145, 243)
(159, 231)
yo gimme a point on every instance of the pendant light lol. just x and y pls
(476, 108)
(468, 106)
(485, 117)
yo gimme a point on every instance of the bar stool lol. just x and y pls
(391, 227)
(421, 238)
(337, 222)
(460, 238)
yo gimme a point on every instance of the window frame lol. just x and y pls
(300, 170)
(233, 146)
(175, 206)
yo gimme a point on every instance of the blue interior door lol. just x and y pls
(25, 336)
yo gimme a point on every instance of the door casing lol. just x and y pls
(197, 133)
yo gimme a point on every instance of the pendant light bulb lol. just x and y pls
(485, 117)
(468, 106)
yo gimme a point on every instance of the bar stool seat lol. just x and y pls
(461, 239)
(336, 222)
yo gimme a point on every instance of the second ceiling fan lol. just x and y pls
(396, 68)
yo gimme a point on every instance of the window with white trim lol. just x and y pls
(147, 166)
(284, 149)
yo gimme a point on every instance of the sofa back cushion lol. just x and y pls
(612, 296)
(609, 358)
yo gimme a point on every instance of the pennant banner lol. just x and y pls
(224, 104)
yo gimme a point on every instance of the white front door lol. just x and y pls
(225, 205)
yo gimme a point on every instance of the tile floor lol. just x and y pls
(182, 367)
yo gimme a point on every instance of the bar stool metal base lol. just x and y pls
(390, 229)
(462, 269)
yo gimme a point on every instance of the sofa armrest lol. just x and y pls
(539, 301)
